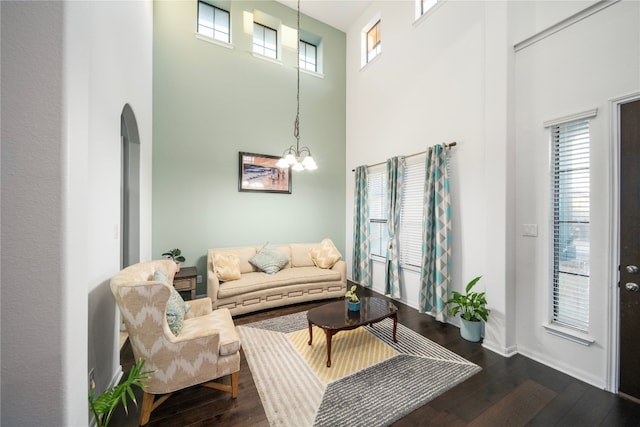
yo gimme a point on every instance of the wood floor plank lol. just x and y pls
(507, 392)
(522, 405)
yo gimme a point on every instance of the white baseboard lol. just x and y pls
(502, 351)
(566, 369)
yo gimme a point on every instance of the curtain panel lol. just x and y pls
(395, 177)
(361, 251)
(435, 273)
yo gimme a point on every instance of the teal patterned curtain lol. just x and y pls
(360, 262)
(436, 251)
(395, 175)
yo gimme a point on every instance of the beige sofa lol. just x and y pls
(299, 280)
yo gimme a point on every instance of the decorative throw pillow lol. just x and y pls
(226, 266)
(325, 255)
(269, 259)
(176, 307)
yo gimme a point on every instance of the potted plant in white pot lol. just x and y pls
(472, 307)
(176, 256)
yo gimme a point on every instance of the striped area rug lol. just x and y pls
(388, 379)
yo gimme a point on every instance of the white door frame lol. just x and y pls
(613, 367)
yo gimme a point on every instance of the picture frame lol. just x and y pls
(258, 173)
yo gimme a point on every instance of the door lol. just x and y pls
(629, 352)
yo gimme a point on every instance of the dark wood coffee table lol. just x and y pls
(334, 317)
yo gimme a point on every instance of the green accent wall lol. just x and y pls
(211, 102)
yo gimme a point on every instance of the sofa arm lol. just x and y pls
(199, 307)
(341, 266)
(213, 284)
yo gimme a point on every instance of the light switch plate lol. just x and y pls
(530, 230)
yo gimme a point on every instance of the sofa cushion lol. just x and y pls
(226, 266)
(243, 253)
(251, 282)
(269, 260)
(325, 255)
(301, 254)
(176, 307)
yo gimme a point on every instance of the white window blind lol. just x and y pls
(411, 214)
(571, 204)
(379, 235)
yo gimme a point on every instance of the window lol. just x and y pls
(379, 235)
(308, 56)
(265, 41)
(373, 42)
(571, 204)
(213, 22)
(411, 213)
(425, 5)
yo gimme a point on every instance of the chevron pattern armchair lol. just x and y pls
(206, 348)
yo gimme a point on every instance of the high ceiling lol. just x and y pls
(337, 13)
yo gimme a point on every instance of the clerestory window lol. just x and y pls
(214, 22)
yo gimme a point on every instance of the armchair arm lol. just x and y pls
(199, 307)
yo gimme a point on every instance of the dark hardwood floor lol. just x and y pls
(509, 392)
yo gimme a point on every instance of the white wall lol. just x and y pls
(579, 68)
(118, 66)
(445, 79)
(455, 76)
(33, 282)
(68, 69)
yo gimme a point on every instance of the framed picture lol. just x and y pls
(259, 173)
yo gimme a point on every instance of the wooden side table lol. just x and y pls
(185, 280)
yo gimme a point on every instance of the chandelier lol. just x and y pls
(295, 157)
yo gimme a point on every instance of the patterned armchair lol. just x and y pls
(207, 347)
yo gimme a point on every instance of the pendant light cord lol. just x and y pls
(296, 126)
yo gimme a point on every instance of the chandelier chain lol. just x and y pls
(296, 126)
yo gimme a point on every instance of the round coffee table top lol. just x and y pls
(335, 315)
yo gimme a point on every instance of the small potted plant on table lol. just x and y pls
(472, 307)
(176, 256)
(353, 302)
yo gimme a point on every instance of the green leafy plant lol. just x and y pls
(175, 255)
(103, 406)
(472, 306)
(351, 294)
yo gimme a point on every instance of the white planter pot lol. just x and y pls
(470, 331)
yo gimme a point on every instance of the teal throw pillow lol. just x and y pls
(269, 259)
(176, 307)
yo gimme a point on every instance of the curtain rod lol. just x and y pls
(452, 144)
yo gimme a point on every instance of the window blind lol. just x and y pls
(411, 214)
(379, 235)
(571, 205)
